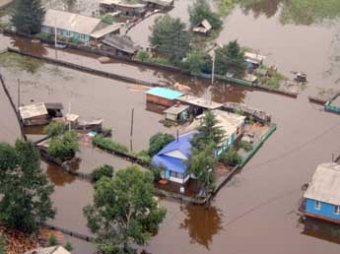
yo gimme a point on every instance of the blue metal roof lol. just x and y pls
(181, 144)
(164, 93)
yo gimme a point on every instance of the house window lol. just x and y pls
(173, 174)
(337, 209)
(68, 34)
(317, 205)
(83, 37)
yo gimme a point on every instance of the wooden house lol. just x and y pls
(124, 8)
(77, 28)
(34, 114)
(322, 197)
(159, 4)
(119, 45)
(177, 113)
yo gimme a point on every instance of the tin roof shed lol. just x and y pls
(34, 110)
(164, 93)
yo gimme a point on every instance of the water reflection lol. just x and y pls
(263, 7)
(322, 230)
(57, 176)
(201, 223)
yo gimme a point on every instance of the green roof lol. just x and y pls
(164, 93)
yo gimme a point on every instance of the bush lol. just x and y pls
(54, 129)
(109, 145)
(108, 19)
(144, 156)
(231, 157)
(105, 170)
(156, 172)
(68, 246)
(52, 240)
(143, 56)
(158, 141)
(64, 147)
(246, 145)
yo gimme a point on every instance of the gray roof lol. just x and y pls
(176, 109)
(125, 4)
(122, 43)
(77, 23)
(49, 250)
(160, 2)
(325, 184)
(33, 110)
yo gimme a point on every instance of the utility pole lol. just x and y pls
(213, 69)
(131, 129)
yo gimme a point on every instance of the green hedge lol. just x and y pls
(109, 145)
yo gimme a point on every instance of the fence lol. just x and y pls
(80, 236)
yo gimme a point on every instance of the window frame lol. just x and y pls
(317, 205)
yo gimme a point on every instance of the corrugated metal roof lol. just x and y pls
(164, 93)
(325, 184)
(176, 109)
(122, 43)
(160, 2)
(29, 111)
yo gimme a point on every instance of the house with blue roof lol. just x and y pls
(322, 197)
(173, 159)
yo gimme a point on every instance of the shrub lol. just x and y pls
(52, 240)
(246, 145)
(68, 246)
(105, 170)
(109, 145)
(108, 19)
(158, 141)
(64, 147)
(143, 56)
(54, 129)
(231, 157)
(2, 245)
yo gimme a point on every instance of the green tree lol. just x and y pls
(52, 240)
(105, 170)
(208, 132)
(55, 129)
(143, 56)
(230, 59)
(231, 157)
(68, 246)
(202, 164)
(195, 61)
(169, 37)
(158, 141)
(200, 10)
(27, 16)
(124, 211)
(64, 146)
(25, 190)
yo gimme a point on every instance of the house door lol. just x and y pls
(167, 174)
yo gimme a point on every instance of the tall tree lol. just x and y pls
(28, 16)
(202, 164)
(208, 132)
(158, 141)
(200, 10)
(197, 61)
(25, 190)
(169, 37)
(124, 211)
(230, 59)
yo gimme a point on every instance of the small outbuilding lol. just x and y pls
(119, 45)
(125, 8)
(177, 113)
(34, 114)
(204, 27)
(159, 4)
(322, 197)
(49, 250)
(162, 97)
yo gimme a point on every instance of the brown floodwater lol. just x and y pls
(256, 212)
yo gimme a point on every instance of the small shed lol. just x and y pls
(322, 197)
(34, 114)
(159, 4)
(54, 109)
(177, 113)
(163, 97)
(198, 105)
(254, 59)
(49, 250)
(204, 27)
(125, 8)
(120, 45)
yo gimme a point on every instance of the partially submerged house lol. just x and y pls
(159, 4)
(49, 250)
(204, 27)
(119, 45)
(177, 113)
(161, 97)
(125, 8)
(173, 158)
(197, 105)
(254, 59)
(77, 28)
(322, 197)
(231, 124)
(34, 114)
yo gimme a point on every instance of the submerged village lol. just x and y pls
(169, 126)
